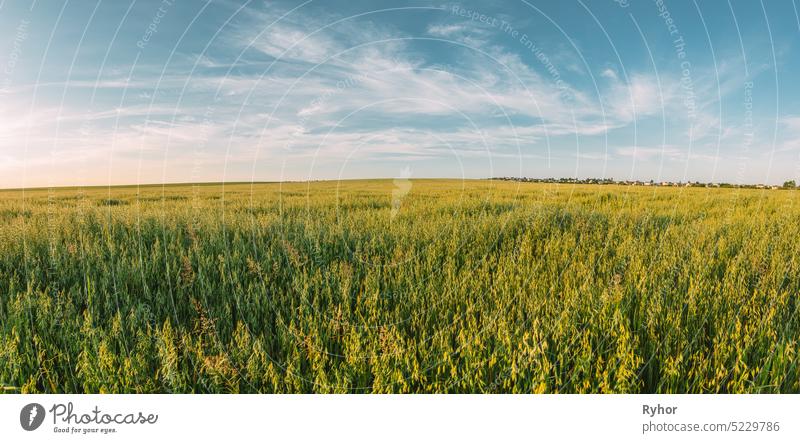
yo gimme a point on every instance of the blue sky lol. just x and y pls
(119, 92)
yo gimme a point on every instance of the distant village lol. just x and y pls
(610, 181)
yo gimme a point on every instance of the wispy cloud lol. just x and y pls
(280, 86)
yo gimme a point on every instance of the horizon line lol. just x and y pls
(553, 180)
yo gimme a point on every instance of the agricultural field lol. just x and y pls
(378, 286)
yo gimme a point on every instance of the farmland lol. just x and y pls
(377, 286)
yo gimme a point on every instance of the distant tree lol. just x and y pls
(789, 184)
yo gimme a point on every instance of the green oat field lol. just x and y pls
(378, 286)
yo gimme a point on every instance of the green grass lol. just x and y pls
(443, 286)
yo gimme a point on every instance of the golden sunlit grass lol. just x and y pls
(417, 286)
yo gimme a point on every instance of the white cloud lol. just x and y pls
(609, 74)
(446, 30)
